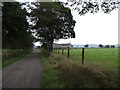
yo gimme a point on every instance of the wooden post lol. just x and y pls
(68, 52)
(83, 56)
(62, 50)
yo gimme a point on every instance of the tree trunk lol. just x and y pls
(51, 45)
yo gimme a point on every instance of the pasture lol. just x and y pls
(103, 58)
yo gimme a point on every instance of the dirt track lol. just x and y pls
(24, 73)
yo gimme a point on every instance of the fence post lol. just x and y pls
(83, 56)
(68, 52)
(62, 50)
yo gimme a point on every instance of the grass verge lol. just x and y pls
(50, 78)
(59, 72)
(14, 56)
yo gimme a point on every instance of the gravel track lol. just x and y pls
(24, 73)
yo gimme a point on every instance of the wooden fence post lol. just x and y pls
(83, 56)
(68, 52)
(62, 50)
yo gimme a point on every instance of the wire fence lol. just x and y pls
(100, 57)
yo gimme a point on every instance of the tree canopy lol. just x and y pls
(93, 6)
(52, 21)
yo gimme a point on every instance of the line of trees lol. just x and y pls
(48, 21)
(106, 46)
(102, 46)
(14, 27)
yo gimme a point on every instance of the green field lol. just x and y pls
(105, 58)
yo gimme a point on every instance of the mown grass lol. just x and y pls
(10, 56)
(60, 72)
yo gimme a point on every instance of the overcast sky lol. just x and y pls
(96, 28)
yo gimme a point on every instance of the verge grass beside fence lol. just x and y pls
(50, 77)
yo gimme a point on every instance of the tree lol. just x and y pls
(86, 45)
(52, 21)
(112, 46)
(14, 27)
(93, 6)
(107, 46)
(100, 45)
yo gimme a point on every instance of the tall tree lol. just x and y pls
(53, 21)
(14, 27)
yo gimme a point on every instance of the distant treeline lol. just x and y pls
(15, 27)
(102, 46)
(94, 46)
